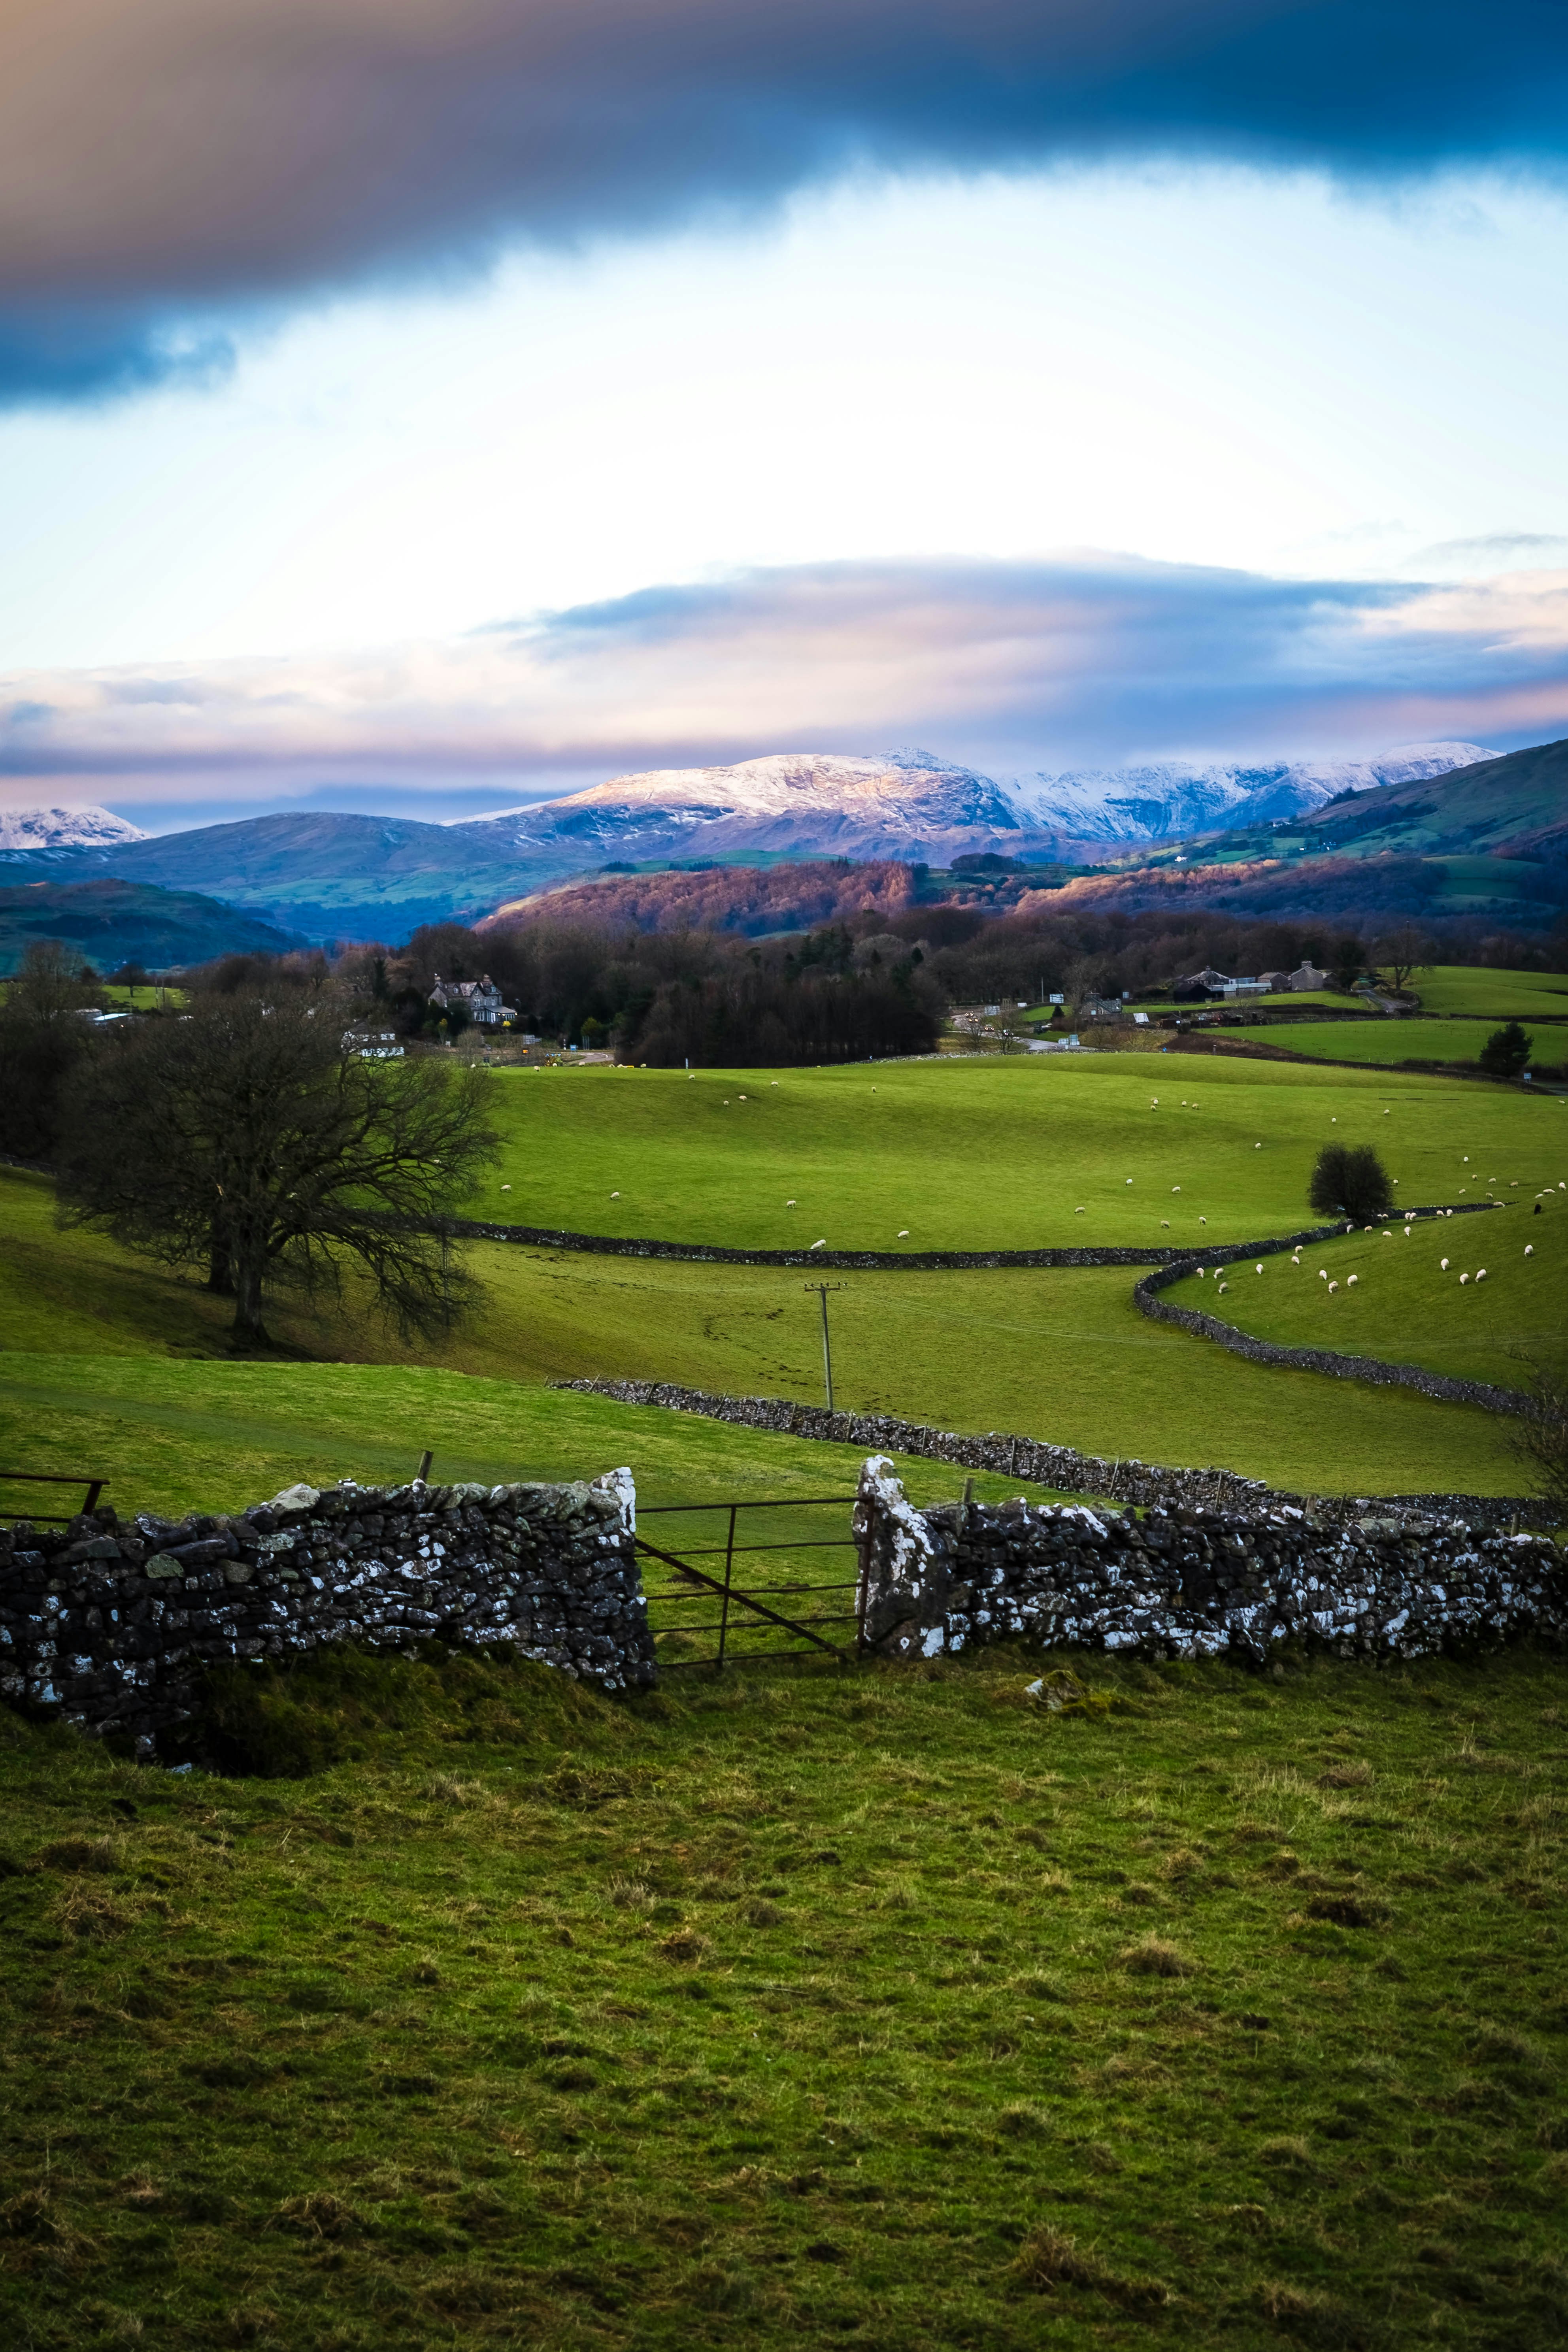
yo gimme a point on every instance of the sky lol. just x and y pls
(428, 405)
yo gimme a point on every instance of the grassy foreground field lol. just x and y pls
(877, 2009)
(114, 1368)
(982, 1154)
(1404, 1307)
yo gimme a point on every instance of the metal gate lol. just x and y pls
(707, 1606)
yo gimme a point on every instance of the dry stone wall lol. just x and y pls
(1061, 1467)
(1184, 1583)
(114, 1622)
(1441, 1385)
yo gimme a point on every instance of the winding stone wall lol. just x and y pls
(114, 1622)
(1057, 1466)
(1317, 1360)
(915, 1261)
(1190, 1583)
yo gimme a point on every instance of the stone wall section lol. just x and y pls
(1059, 1468)
(911, 1261)
(115, 1622)
(1441, 1385)
(1184, 1584)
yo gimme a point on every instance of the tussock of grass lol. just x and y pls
(796, 2012)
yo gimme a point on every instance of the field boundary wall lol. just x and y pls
(115, 1623)
(1190, 1583)
(1440, 1385)
(916, 1261)
(1059, 1468)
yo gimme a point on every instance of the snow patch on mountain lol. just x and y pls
(1170, 798)
(65, 828)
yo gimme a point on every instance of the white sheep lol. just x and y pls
(1224, 1287)
(506, 1187)
(615, 1196)
(1202, 1271)
(903, 1233)
(821, 1244)
(1350, 1278)
(1323, 1274)
(1175, 1188)
(1165, 1225)
(1464, 1277)
(1129, 1180)
(1443, 1264)
(1333, 1286)
(1482, 1275)
(1078, 1213)
(789, 1204)
(1530, 1249)
(1257, 1269)
(1202, 1221)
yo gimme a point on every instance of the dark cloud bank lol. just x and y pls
(164, 160)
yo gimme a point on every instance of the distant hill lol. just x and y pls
(750, 899)
(114, 922)
(332, 875)
(1517, 802)
(1514, 894)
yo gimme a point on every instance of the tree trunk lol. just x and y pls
(220, 1276)
(247, 1326)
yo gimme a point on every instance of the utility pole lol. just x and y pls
(822, 1289)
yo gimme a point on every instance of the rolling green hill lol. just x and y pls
(1517, 805)
(114, 922)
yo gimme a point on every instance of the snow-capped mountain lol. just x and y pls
(65, 828)
(810, 803)
(1171, 798)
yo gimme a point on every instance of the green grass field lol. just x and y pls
(875, 2009)
(1402, 1040)
(1403, 1307)
(1456, 988)
(114, 1368)
(991, 1152)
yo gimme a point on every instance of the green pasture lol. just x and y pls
(1456, 988)
(1408, 1039)
(882, 2009)
(1007, 1152)
(1402, 1305)
(124, 1370)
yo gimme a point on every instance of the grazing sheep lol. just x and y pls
(1223, 1288)
(789, 1204)
(615, 1196)
(1443, 1265)
(1464, 1277)
(1257, 1269)
(1175, 1188)
(1350, 1278)
(1323, 1274)
(1202, 1221)
(1482, 1275)
(1129, 1180)
(1078, 1213)
(1333, 1286)
(1165, 1225)
(1530, 1249)
(821, 1244)
(506, 1187)
(903, 1233)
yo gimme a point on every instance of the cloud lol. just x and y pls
(1011, 666)
(161, 157)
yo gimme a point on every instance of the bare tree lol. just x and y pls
(244, 1138)
(42, 1038)
(1398, 957)
(1538, 1437)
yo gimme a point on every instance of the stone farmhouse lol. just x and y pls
(479, 999)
